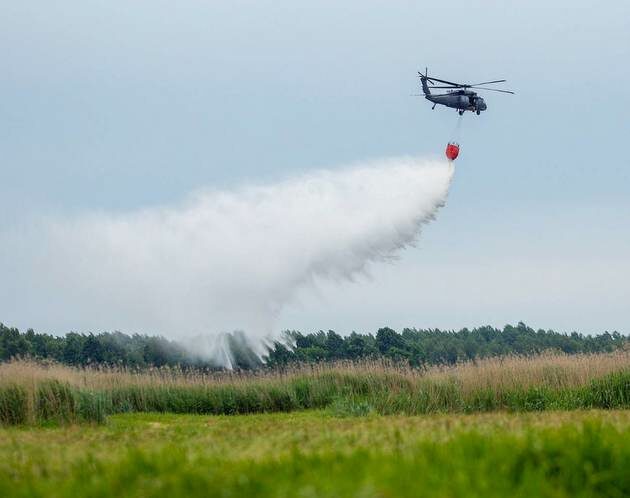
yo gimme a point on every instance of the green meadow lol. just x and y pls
(319, 453)
(550, 425)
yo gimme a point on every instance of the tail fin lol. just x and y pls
(423, 79)
(425, 87)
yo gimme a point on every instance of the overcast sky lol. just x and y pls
(114, 106)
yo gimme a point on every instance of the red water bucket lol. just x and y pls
(452, 151)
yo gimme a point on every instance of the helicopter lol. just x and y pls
(459, 95)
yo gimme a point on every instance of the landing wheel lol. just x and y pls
(478, 112)
(461, 113)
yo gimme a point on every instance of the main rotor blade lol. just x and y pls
(451, 87)
(444, 81)
(488, 82)
(494, 90)
(431, 79)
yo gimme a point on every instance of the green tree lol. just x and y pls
(334, 345)
(387, 339)
(92, 351)
(73, 349)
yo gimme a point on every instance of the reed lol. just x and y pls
(48, 393)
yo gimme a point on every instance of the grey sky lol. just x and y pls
(119, 105)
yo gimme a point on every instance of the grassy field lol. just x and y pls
(32, 393)
(316, 453)
(552, 425)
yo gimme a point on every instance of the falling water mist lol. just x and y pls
(222, 261)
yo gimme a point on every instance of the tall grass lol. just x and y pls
(50, 393)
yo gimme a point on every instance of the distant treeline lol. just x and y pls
(111, 348)
(438, 347)
(412, 346)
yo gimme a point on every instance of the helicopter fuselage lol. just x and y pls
(462, 100)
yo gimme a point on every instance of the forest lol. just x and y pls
(414, 347)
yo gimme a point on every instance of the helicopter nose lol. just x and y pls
(482, 105)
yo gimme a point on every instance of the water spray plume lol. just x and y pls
(223, 260)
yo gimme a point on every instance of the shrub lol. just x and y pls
(13, 405)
